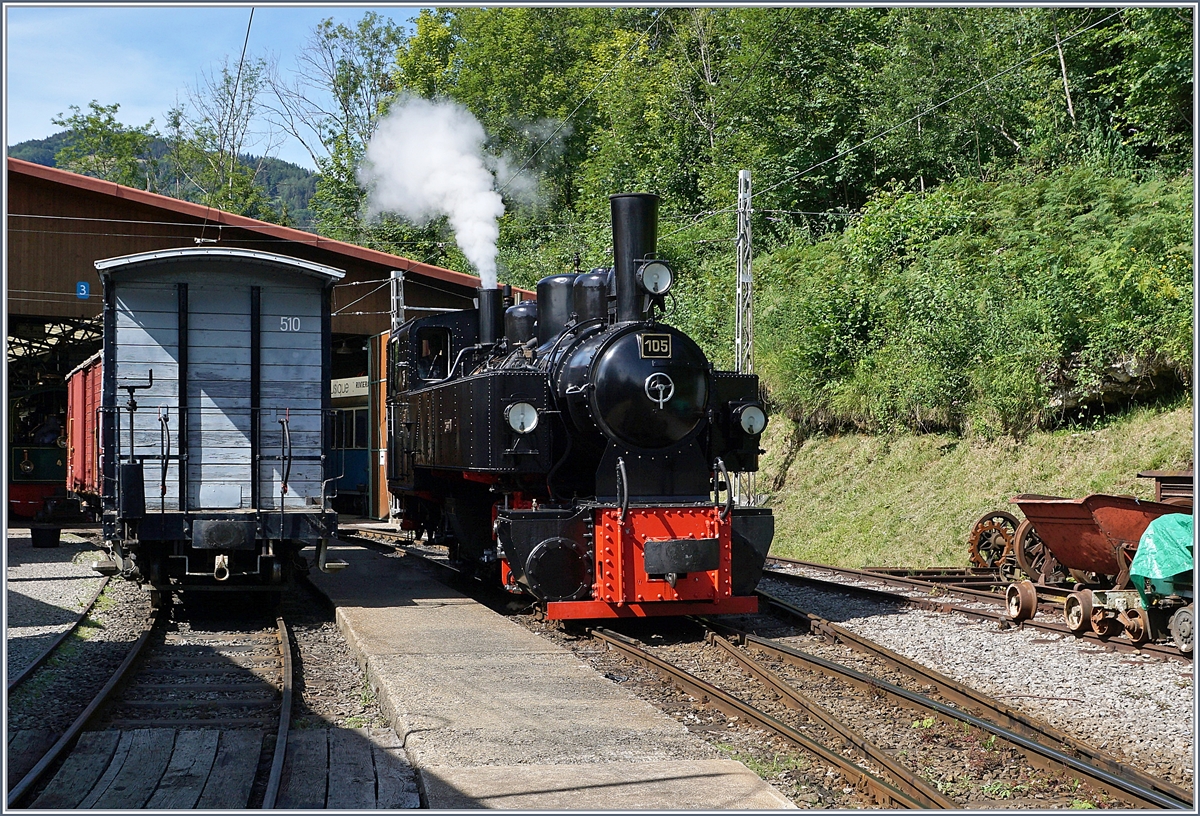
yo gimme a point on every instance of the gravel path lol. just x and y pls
(1134, 706)
(45, 589)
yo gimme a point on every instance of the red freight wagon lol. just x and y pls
(83, 422)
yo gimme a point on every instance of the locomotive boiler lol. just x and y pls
(197, 434)
(577, 448)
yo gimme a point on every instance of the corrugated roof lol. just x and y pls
(221, 217)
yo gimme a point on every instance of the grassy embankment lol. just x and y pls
(910, 499)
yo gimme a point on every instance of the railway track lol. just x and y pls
(1040, 743)
(15, 682)
(184, 729)
(820, 724)
(947, 596)
(1034, 743)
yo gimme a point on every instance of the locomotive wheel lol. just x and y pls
(992, 539)
(1034, 556)
(1021, 600)
(1103, 623)
(1078, 611)
(1182, 623)
(1137, 626)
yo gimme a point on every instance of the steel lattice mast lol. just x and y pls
(743, 347)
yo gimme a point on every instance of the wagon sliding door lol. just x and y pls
(290, 390)
(219, 417)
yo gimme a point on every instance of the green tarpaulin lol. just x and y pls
(1165, 550)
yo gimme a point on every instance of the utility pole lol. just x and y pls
(397, 281)
(743, 344)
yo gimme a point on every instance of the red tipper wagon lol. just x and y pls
(1094, 536)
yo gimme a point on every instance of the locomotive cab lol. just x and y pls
(582, 455)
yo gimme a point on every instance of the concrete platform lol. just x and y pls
(492, 716)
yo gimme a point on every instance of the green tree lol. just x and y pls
(102, 147)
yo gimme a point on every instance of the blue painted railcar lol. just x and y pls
(213, 416)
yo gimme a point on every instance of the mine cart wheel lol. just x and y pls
(1181, 628)
(1078, 611)
(1103, 622)
(1180, 501)
(1034, 556)
(1137, 626)
(1021, 600)
(991, 539)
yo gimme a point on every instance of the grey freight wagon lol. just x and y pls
(211, 426)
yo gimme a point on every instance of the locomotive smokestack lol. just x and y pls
(491, 315)
(635, 236)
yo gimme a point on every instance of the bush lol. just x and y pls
(985, 307)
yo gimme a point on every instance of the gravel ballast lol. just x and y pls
(1134, 706)
(45, 590)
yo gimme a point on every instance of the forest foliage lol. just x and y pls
(965, 219)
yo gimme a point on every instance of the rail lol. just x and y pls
(1033, 739)
(885, 793)
(35, 774)
(937, 597)
(285, 720)
(28, 671)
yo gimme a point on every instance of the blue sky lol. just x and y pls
(143, 57)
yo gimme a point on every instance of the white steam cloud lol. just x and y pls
(426, 160)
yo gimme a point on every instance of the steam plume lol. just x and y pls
(426, 160)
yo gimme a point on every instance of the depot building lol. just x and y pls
(58, 224)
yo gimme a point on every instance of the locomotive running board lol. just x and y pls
(598, 610)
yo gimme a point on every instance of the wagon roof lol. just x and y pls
(327, 273)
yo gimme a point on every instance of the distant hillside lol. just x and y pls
(283, 181)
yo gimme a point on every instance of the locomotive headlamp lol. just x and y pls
(655, 277)
(751, 418)
(521, 417)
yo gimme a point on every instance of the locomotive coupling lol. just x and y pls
(221, 568)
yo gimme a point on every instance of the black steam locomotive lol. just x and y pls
(578, 449)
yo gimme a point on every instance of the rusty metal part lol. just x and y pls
(35, 774)
(1020, 599)
(939, 598)
(285, 719)
(1034, 557)
(1098, 533)
(884, 793)
(1092, 579)
(793, 698)
(25, 673)
(1104, 621)
(1078, 611)
(1136, 624)
(1172, 486)
(1045, 744)
(991, 539)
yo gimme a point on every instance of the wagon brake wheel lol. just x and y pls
(991, 539)
(1034, 557)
